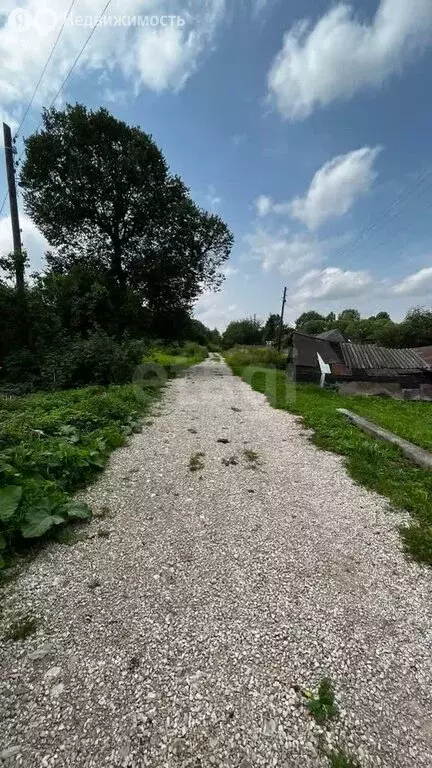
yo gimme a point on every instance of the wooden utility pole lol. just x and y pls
(16, 232)
(281, 320)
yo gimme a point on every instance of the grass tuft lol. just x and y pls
(323, 706)
(196, 462)
(341, 759)
(251, 456)
(21, 629)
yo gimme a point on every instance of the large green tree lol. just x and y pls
(248, 331)
(271, 328)
(311, 323)
(102, 194)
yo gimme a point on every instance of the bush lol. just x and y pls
(97, 359)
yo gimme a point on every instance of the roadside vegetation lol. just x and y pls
(238, 358)
(372, 463)
(175, 358)
(53, 443)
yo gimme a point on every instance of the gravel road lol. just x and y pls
(178, 633)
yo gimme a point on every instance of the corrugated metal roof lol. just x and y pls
(371, 357)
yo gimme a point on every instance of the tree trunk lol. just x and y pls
(118, 292)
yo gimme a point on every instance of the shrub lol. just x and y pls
(97, 359)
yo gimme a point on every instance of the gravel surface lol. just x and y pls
(178, 633)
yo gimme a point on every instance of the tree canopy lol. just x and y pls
(102, 194)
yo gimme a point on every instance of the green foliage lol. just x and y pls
(311, 322)
(176, 357)
(10, 497)
(271, 328)
(414, 331)
(50, 445)
(340, 759)
(323, 706)
(248, 331)
(125, 215)
(372, 463)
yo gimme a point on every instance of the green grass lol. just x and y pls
(372, 463)
(175, 359)
(240, 357)
(340, 759)
(322, 706)
(410, 420)
(51, 444)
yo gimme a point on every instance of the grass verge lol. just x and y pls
(372, 463)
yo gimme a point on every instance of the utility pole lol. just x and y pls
(281, 320)
(16, 232)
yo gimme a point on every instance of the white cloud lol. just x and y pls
(263, 205)
(335, 187)
(213, 310)
(212, 198)
(343, 54)
(11, 120)
(282, 251)
(159, 57)
(259, 5)
(230, 271)
(32, 240)
(331, 283)
(418, 284)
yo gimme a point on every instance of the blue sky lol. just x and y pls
(305, 124)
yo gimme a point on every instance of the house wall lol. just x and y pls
(367, 382)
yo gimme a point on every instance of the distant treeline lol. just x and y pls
(415, 330)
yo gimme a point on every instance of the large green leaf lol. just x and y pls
(38, 521)
(10, 498)
(76, 509)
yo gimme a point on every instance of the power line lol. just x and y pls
(395, 205)
(76, 60)
(3, 203)
(44, 69)
(79, 56)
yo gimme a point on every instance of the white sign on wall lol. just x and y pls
(324, 367)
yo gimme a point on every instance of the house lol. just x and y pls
(361, 368)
